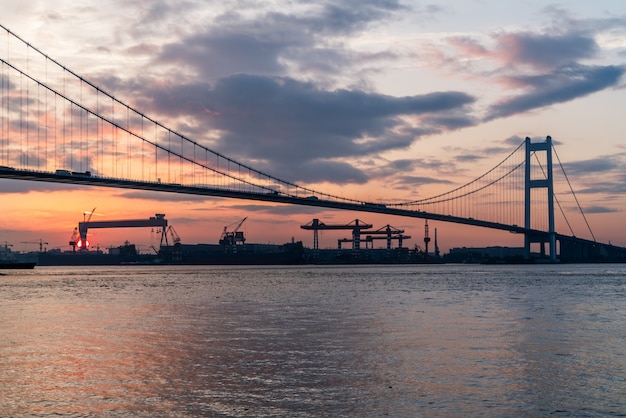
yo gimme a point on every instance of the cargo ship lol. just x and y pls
(17, 265)
(14, 261)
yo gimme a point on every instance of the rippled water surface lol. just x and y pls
(417, 340)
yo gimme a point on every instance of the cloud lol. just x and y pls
(542, 68)
(598, 209)
(342, 18)
(562, 85)
(416, 181)
(450, 121)
(14, 186)
(274, 209)
(602, 175)
(303, 131)
(593, 166)
(469, 158)
(164, 196)
(220, 54)
(608, 188)
(318, 171)
(544, 50)
(270, 42)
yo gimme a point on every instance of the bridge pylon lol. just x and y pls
(545, 183)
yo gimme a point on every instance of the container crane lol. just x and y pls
(369, 239)
(389, 233)
(356, 226)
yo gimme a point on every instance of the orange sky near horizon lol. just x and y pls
(375, 107)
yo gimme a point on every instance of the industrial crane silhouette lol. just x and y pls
(175, 237)
(387, 233)
(233, 237)
(40, 242)
(356, 226)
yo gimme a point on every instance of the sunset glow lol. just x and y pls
(393, 102)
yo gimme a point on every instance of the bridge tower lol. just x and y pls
(545, 183)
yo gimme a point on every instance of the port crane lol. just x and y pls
(76, 240)
(233, 237)
(172, 232)
(426, 237)
(79, 237)
(427, 240)
(388, 233)
(356, 226)
(40, 242)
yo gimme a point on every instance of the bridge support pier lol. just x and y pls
(545, 183)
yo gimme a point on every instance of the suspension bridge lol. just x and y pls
(56, 126)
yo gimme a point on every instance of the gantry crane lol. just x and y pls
(356, 226)
(79, 237)
(389, 233)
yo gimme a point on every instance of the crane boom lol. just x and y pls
(239, 224)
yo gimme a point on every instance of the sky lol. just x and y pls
(373, 100)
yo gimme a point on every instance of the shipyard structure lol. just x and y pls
(232, 247)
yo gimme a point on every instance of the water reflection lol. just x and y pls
(310, 342)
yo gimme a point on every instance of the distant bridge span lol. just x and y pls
(572, 248)
(90, 180)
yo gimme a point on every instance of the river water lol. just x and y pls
(419, 340)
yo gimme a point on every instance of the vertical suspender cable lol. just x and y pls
(574, 194)
(128, 155)
(27, 108)
(38, 126)
(4, 116)
(143, 177)
(21, 123)
(47, 110)
(156, 153)
(113, 140)
(71, 136)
